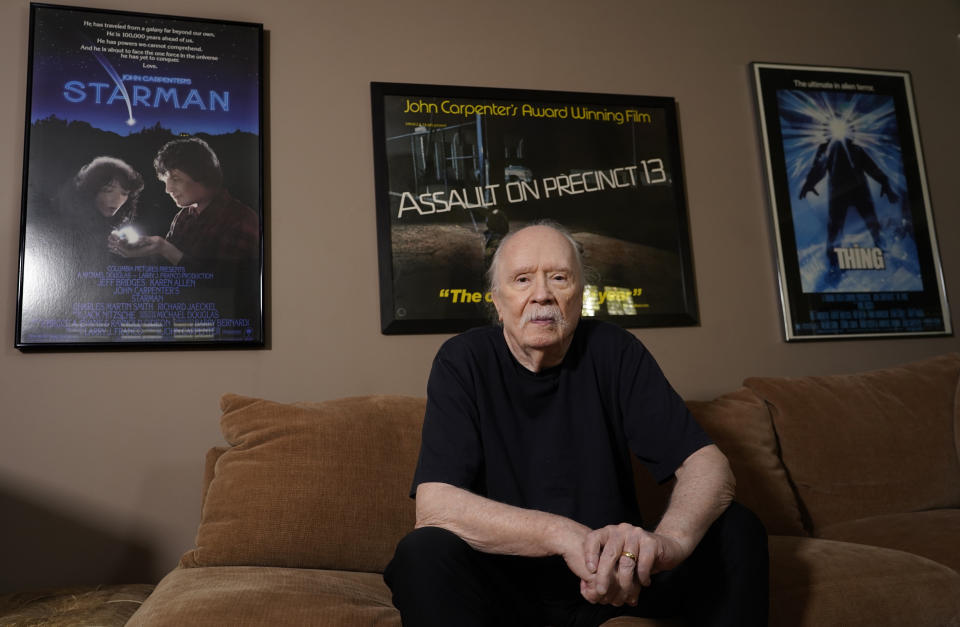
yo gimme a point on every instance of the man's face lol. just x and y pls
(183, 189)
(538, 292)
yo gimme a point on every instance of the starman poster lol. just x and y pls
(857, 246)
(142, 197)
(457, 168)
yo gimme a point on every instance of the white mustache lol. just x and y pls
(552, 313)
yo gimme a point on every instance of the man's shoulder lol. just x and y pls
(227, 205)
(472, 341)
(609, 347)
(468, 355)
(606, 335)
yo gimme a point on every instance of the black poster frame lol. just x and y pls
(457, 167)
(114, 254)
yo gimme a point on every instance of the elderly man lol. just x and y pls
(526, 511)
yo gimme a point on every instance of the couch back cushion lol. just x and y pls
(310, 485)
(740, 425)
(878, 442)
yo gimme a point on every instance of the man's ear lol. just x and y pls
(496, 305)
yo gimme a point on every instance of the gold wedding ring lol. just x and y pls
(629, 554)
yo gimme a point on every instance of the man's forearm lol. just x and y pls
(705, 487)
(493, 527)
(171, 253)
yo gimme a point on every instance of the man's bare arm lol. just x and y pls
(493, 527)
(704, 489)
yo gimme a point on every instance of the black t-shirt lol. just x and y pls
(559, 440)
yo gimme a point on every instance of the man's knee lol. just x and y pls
(736, 554)
(746, 559)
(429, 541)
(437, 579)
(424, 552)
(740, 537)
(743, 521)
(748, 523)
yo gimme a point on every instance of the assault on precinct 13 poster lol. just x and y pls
(458, 168)
(858, 253)
(142, 187)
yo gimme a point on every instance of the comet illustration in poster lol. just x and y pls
(141, 218)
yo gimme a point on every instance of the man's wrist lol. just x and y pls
(565, 535)
(171, 252)
(683, 544)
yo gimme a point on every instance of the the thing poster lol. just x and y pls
(857, 247)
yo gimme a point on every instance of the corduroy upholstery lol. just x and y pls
(821, 583)
(868, 444)
(739, 423)
(301, 512)
(304, 486)
(934, 534)
(268, 596)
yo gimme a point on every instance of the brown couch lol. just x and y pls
(856, 477)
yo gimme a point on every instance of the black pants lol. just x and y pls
(438, 580)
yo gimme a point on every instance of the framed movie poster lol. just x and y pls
(142, 219)
(457, 168)
(856, 243)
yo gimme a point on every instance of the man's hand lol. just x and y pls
(704, 489)
(572, 551)
(617, 579)
(145, 247)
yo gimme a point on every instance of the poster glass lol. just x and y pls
(856, 243)
(458, 168)
(142, 184)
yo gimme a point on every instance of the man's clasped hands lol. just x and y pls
(616, 562)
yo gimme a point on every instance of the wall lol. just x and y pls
(101, 453)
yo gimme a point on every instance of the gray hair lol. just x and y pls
(556, 226)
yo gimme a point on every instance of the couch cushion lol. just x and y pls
(245, 595)
(934, 534)
(316, 485)
(242, 595)
(815, 582)
(739, 423)
(866, 444)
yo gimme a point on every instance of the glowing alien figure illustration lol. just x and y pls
(848, 166)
